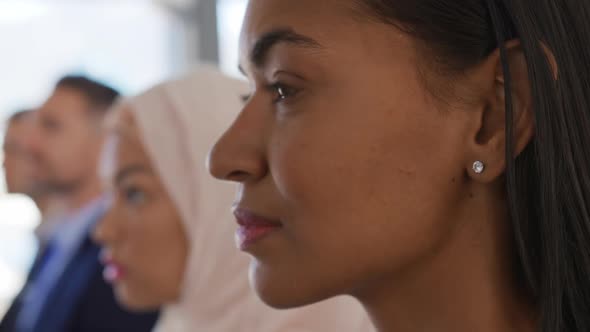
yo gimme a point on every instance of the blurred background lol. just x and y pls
(130, 44)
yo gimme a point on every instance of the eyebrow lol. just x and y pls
(267, 41)
(128, 171)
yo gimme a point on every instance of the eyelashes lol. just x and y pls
(279, 91)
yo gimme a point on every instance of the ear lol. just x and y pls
(488, 137)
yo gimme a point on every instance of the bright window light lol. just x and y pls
(230, 15)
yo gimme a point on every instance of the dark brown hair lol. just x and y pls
(548, 185)
(100, 96)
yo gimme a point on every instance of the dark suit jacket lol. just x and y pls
(82, 301)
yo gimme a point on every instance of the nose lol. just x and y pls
(106, 230)
(239, 155)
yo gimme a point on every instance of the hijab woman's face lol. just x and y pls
(350, 173)
(145, 246)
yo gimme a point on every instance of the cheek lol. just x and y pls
(71, 141)
(366, 181)
(157, 254)
(61, 152)
(383, 156)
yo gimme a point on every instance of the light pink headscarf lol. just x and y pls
(179, 122)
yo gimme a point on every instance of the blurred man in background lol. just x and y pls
(65, 291)
(17, 161)
(19, 173)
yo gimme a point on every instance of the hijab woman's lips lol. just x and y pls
(253, 228)
(113, 272)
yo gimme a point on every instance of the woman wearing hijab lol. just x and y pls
(168, 237)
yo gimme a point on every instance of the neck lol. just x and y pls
(43, 203)
(49, 205)
(467, 285)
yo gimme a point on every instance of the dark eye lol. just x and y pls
(50, 124)
(282, 92)
(245, 98)
(134, 196)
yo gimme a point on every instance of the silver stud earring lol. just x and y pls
(478, 167)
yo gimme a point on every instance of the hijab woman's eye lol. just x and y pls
(134, 196)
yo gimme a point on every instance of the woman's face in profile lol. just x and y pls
(350, 172)
(145, 246)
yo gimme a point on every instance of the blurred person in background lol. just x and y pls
(65, 290)
(168, 236)
(19, 172)
(17, 161)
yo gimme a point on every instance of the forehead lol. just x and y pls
(303, 10)
(19, 129)
(310, 17)
(342, 31)
(64, 101)
(125, 143)
(19, 126)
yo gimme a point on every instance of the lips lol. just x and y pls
(113, 272)
(253, 228)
